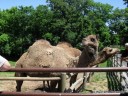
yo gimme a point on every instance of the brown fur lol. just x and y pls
(43, 54)
(69, 49)
(89, 53)
(104, 55)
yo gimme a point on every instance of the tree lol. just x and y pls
(61, 20)
(5, 48)
(40, 22)
(74, 19)
(118, 26)
(66, 19)
(99, 14)
(4, 37)
(17, 28)
(126, 2)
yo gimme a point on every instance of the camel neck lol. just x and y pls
(86, 58)
(100, 59)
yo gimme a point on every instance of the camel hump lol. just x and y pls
(40, 47)
(64, 44)
(69, 49)
(41, 42)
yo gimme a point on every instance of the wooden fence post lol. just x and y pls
(84, 80)
(63, 82)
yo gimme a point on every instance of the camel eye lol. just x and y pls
(92, 39)
(110, 50)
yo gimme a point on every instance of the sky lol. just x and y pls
(7, 4)
(116, 3)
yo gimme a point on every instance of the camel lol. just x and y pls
(103, 55)
(88, 55)
(43, 55)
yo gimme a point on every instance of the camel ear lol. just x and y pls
(104, 50)
(97, 36)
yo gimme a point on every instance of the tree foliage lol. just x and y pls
(126, 2)
(61, 20)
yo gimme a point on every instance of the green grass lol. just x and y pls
(99, 76)
(103, 64)
(8, 74)
(98, 81)
(12, 63)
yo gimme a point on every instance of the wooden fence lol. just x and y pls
(76, 70)
(120, 78)
(60, 94)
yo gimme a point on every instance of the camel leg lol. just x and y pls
(59, 86)
(44, 86)
(53, 85)
(49, 86)
(73, 79)
(19, 82)
(89, 75)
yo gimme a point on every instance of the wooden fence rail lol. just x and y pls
(30, 78)
(47, 70)
(60, 94)
(63, 70)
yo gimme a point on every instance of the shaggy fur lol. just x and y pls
(103, 55)
(43, 55)
(89, 53)
(69, 49)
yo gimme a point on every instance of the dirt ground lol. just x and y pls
(31, 86)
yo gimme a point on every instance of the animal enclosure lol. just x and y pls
(111, 69)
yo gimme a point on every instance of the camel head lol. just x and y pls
(91, 44)
(109, 52)
(104, 55)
